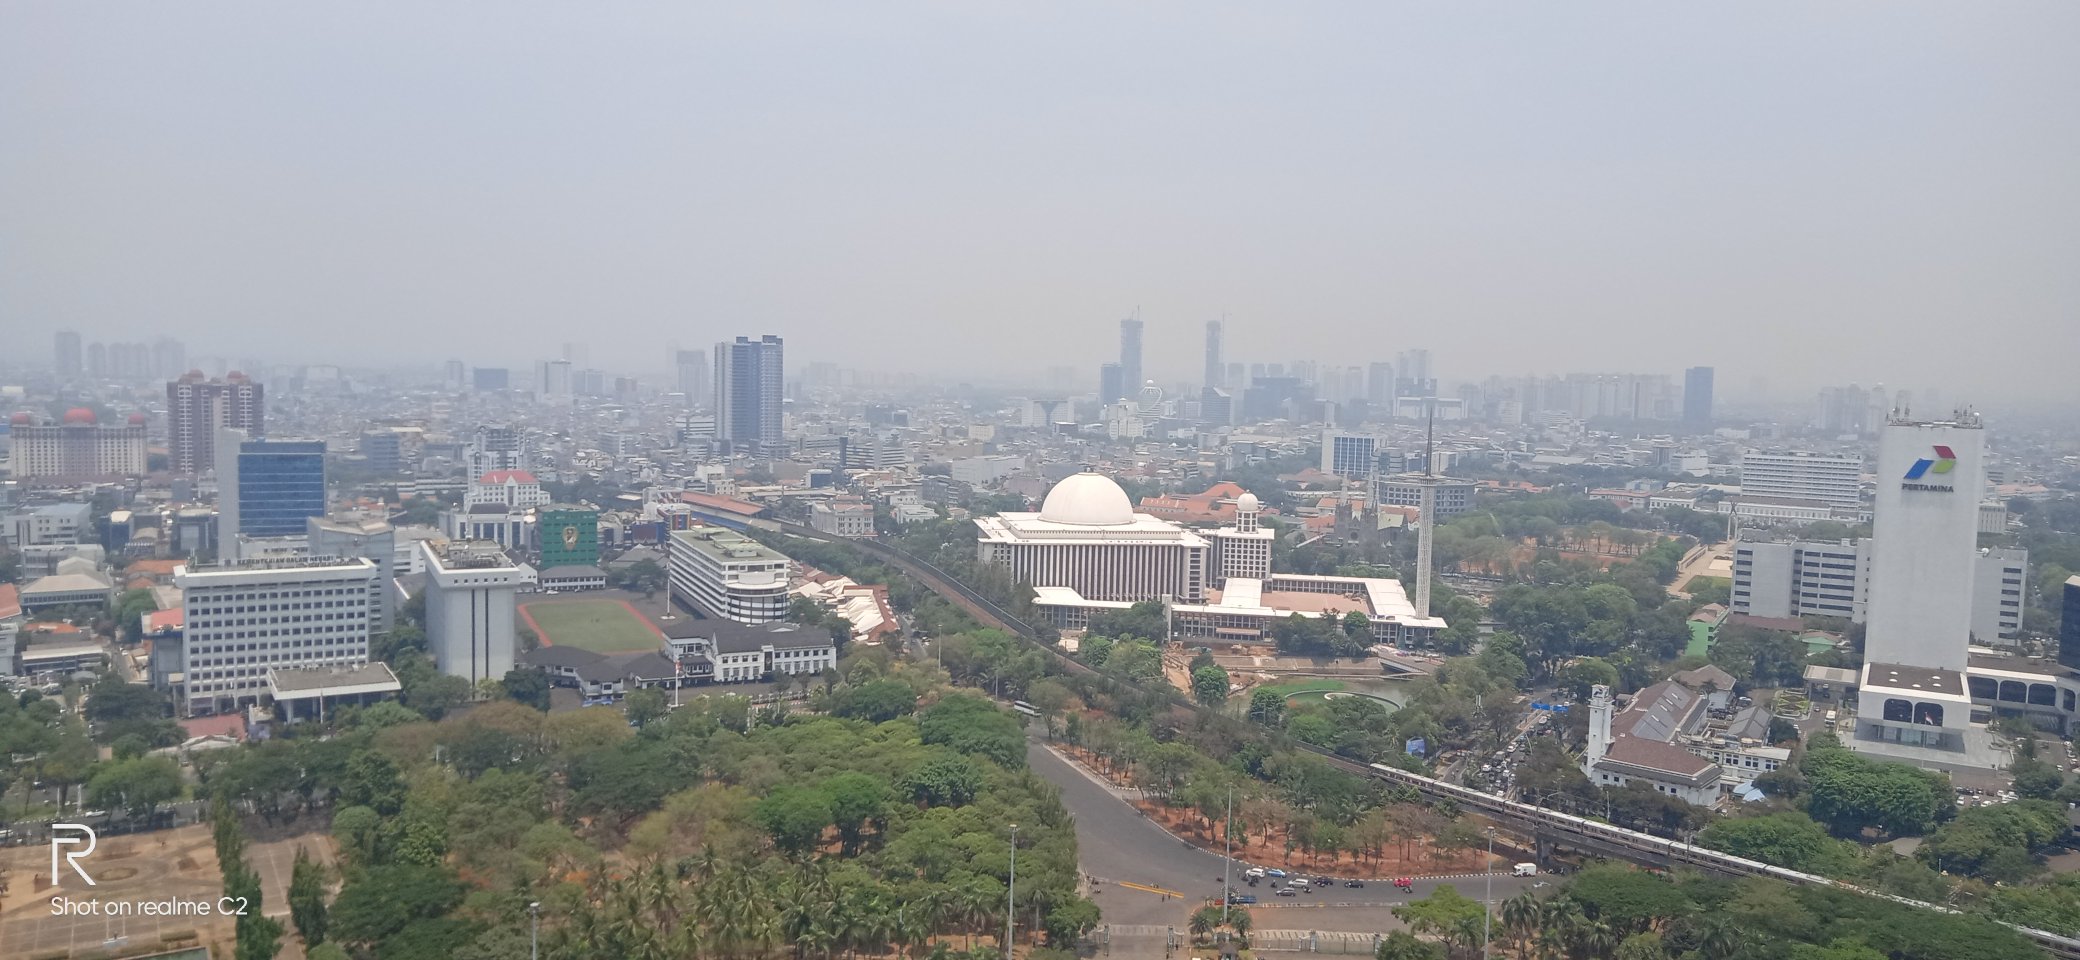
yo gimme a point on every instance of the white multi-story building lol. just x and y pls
(1833, 480)
(1993, 517)
(1454, 497)
(471, 587)
(1930, 478)
(983, 471)
(728, 575)
(1805, 578)
(1088, 538)
(374, 540)
(1999, 578)
(1353, 456)
(243, 619)
(76, 448)
(1799, 578)
(52, 523)
(514, 489)
(843, 518)
(10, 625)
(1242, 551)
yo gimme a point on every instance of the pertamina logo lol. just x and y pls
(1944, 461)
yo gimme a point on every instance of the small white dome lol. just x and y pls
(1088, 499)
(1247, 503)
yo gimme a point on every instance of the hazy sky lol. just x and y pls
(1804, 191)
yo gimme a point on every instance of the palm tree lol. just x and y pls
(1239, 921)
(1520, 916)
(1719, 939)
(1203, 921)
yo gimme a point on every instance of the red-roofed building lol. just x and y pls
(231, 725)
(10, 601)
(1215, 505)
(729, 507)
(512, 489)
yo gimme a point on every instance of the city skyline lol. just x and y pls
(1670, 206)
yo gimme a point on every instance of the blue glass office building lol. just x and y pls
(281, 483)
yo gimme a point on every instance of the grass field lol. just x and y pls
(1294, 687)
(600, 625)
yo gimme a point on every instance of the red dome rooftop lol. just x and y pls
(19, 419)
(79, 415)
(136, 419)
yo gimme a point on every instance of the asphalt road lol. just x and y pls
(1120, 846)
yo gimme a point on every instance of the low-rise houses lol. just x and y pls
(706, 651)
(1682, 737)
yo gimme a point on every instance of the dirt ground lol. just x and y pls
(131, 870)
(1414, 857)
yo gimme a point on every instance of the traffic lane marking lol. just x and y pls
(1146, 888)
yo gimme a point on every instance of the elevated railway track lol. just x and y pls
(1540, 826)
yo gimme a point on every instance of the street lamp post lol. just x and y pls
(1011, 896)
(534, 931)
(1488, 902)
(1228, 865)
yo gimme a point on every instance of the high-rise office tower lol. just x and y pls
(1414, 366)
(554, 383)
(169, 358)
(197, 407)
(1112, 384)
(266, 488)
(1926, 523)
(68, 358)
(1216, 371)
(1379, 385)
(454, 375)
(749, 378)
(1919, 621)
(1697, 398)
(1129, 357)
(693, 375)
(2069, 624)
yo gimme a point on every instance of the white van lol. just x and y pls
(1524, 870)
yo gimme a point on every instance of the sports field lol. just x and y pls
(605, 626)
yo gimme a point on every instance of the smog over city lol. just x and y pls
(1039, 481)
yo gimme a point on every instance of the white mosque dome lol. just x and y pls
(1247, 502)
(1087, 499)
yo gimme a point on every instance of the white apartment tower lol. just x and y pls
(471, 587)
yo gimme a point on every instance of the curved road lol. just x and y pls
(1118, 845)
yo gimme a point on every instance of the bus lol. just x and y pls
(1025, 708)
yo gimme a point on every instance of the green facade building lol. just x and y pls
(570, 536)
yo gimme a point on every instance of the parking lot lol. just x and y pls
(162, 866)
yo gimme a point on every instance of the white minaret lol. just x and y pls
(1599, 725)
(1246, 507)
